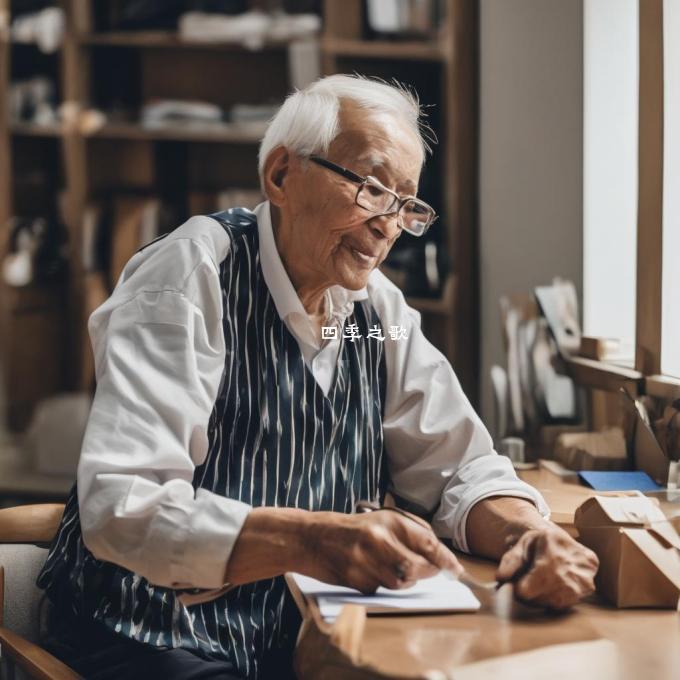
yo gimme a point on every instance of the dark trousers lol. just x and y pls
(96, 653)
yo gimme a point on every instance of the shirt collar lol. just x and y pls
(280, 287)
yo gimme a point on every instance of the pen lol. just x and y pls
(474, 584)
(524, 568)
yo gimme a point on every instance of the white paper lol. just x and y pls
(438, 593)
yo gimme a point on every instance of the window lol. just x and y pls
(631, 169)
(670, 311)
(610, 169)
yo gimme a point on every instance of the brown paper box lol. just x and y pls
(592, 450)
(638, 547)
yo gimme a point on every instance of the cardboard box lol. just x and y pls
(604, 450)
(638, 547)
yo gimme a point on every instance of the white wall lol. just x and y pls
(531, 155)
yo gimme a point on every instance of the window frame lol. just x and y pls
(646, 377)
(650, 189)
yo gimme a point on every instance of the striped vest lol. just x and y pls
(275, 439)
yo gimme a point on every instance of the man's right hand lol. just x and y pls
(381, 548)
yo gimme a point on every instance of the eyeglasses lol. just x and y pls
(413, 215)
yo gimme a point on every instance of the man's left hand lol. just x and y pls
(549, 568)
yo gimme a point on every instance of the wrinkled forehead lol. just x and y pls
(377, 138)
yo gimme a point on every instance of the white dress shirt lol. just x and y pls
(159, 353)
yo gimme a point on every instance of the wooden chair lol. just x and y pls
(24, 533)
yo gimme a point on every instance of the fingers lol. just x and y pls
(403, 567)
(514, 559)
(386, 563)
(562, 571)
(423, 542)
(540, 587)
(390, 561)
(394, 551)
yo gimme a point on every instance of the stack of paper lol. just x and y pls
(436, 594)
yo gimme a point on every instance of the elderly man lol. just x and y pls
(230, 439)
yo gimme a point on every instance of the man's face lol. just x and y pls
(336, 241)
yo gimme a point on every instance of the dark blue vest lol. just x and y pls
(275, 439)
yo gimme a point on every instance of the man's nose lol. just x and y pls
(385, 226)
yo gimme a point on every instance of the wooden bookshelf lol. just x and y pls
(178, 159)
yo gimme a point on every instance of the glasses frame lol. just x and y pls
(400, 201)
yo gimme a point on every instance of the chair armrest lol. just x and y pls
(30, 523)
(34, 660)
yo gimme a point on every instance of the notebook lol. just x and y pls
(431, 595)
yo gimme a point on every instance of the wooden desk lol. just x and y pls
(647, 642)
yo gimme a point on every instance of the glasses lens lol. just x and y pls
(416, 217)
(373, 197)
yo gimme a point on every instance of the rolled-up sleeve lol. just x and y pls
(441, 457)
(159, 356)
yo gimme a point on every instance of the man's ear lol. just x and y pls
(276, 169)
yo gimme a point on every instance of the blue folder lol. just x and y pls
(619, 481)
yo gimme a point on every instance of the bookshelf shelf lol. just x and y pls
(233, 133)
(383, 49)
(167, 40)
(228, 133)
(24, 129)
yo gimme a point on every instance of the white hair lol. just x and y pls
(307, 121)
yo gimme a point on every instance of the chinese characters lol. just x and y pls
(352, 334)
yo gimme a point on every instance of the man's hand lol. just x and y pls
(380, 548)
(549, 568)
